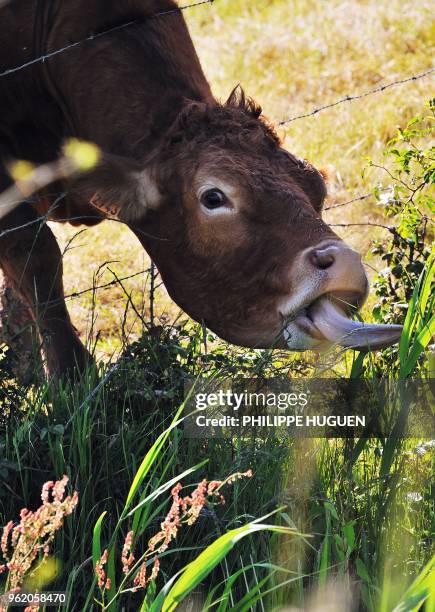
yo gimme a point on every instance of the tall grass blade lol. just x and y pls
(422, 589)
(164, 487)
(150, 457)
(415, 323)
(229, 583)
(420, 343)
(196, 571)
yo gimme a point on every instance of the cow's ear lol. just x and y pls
(119, 188)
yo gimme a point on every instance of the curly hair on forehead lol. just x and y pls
(238, 119)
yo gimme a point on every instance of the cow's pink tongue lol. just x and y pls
(336, 327)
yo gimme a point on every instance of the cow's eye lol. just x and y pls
(213, 198)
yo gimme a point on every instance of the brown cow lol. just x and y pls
(231, 219)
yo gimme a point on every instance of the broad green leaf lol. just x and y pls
(362, 571)
(357, 365)
(332, 510)
(349, 533)
(111, 574)
(96, 540)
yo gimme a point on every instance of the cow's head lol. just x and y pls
(233, 223)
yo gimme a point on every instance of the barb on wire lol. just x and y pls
(122, 26)
(348, 98)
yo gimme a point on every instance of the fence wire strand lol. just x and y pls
(348, 98)
(91, 37)
(357, 199)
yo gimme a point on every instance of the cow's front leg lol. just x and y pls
(19, 333)
(32, 263)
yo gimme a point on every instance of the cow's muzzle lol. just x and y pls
(329, 286)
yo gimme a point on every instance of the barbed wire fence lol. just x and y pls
(353, 98)
(360, 198)
(95, 36)
(403, 80)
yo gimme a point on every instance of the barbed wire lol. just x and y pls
(91, 37)
(390, 228)
(348, 98)
(357, 199)
(76, 294)
(93, 288)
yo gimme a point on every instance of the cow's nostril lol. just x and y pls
(322, 258)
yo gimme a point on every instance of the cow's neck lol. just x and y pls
(124, 90)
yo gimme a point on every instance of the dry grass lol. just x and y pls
(291, 55)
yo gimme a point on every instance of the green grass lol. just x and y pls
(367, 506)
(419, 326)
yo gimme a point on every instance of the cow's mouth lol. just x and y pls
(327, 321)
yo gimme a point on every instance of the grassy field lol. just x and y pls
(355, 517)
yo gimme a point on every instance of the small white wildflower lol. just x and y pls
(420, 449)
(413, 496)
